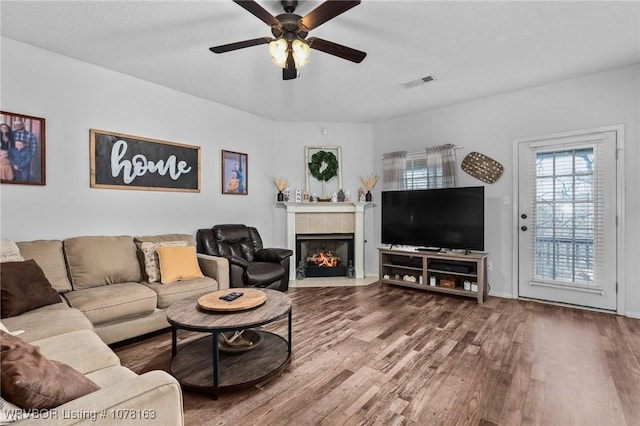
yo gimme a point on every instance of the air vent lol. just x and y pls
(418, 82)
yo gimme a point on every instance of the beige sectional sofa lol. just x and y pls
(105, 298)
(104, 277)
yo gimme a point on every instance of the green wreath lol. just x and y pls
(320, 158)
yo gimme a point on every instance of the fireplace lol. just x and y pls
(327, 218)
(325, 255)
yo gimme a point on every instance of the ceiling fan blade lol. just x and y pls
(240, 45)
(326, 11)
(336, 49)
(258, 11)
(290, 72)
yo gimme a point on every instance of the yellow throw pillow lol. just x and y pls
(178, 263)
(151, 265)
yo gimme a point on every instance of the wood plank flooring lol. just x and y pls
(395, 356)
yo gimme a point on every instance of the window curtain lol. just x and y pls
(441, 166)
(395, 166)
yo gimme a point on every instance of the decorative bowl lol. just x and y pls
(247, 340)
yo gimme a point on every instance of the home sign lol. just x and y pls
(121, 161)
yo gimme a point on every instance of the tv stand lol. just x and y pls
(449, 271)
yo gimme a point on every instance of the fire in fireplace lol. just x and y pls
(324, 259)
(325, 255)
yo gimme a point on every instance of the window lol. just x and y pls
(433, 168)
(418, 176)
(565, 222)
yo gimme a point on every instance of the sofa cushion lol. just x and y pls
(6, 330)
(48, 321)
(178, 263)
(113, 302)
(72, 349)
(190, 239)
(109, 376)
(98, 261)
(9, 251)
(49, 255)
(168, 294)
(24, 287)
(151, 262)
(10, 413)
(32, 381)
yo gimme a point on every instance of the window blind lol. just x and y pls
(416, 176)
(568, 216)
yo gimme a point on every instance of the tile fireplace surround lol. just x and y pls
(327, 218)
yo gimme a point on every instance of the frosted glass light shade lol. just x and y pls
(301, 52)
(278, 50)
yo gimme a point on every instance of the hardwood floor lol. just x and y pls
(395, 356)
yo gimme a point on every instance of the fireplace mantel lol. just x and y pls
(351, 213)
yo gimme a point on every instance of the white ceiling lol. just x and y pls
(474, 49)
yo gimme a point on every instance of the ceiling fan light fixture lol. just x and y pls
(278, 50)
(301, 52)
(290, 49)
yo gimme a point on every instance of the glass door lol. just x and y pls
(567, 220)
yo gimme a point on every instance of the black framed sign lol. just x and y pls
(120, 161)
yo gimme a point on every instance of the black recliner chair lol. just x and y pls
(250, 265)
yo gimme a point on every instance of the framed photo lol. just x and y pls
(22, 154)
(120, 161)
(235, 173)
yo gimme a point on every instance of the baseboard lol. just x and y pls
(500, 294)
(635, 315)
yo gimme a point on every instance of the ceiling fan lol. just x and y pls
(290, 48)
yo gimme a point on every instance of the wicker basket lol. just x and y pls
(482, 167)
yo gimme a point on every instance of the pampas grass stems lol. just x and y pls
(369, 181)
(281, 183)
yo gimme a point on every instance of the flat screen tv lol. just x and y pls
(447, 218)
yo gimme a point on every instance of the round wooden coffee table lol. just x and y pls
(200, 366)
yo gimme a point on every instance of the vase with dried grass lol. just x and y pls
(281, 184)
(369, 182)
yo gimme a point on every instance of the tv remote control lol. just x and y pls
(231, 296)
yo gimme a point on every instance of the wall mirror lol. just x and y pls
(323, 165)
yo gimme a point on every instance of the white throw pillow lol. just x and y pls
(9, 251)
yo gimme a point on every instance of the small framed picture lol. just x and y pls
(22, 154)
(235, 173)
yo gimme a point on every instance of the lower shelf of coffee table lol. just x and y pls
(193, 364)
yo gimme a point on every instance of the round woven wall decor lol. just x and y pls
(482, 167)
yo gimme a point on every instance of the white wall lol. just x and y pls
(74, 97)
(489, 126)
(355, 140)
